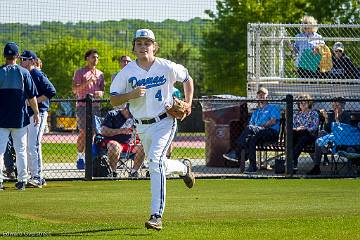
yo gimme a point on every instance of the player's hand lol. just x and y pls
(138, 92)
(36, 119)
(188, 110)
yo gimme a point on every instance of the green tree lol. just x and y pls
(63, 57)
(188, 57)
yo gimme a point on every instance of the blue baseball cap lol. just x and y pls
(11, 49)
(28, 55)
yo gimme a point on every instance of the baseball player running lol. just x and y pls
(147, 84)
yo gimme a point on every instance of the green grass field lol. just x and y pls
(64, 152)
(213, 209)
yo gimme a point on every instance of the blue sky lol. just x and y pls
(35, 11)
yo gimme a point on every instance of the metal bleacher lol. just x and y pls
(271, 61)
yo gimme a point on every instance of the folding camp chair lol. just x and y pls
(351, 158)
(126, 159)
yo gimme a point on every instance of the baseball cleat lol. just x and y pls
(35, 182)
(189, 177)
(20, 186)
(154, 223)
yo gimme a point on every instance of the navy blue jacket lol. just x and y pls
(16, 86)
(44, 87)
(114, 119)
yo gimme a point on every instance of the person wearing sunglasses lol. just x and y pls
(343, 67)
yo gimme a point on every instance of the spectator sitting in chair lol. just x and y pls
(305, 126)
(338, 115)
(117, 137)
(343, 67)
(263, 127)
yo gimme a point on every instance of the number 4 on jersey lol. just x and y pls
(158, 95)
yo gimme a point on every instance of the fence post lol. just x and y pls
(289, 112)
(88, 138)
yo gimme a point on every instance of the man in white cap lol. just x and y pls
(343, 67)
(147, 84)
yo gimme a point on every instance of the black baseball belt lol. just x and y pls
(151, 120)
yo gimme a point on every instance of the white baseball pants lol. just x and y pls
(156, 139)
(19, 141)
(34, 135)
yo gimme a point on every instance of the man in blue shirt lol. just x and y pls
(16, 90)
(46, 91)
(263, 127)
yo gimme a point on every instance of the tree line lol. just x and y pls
(214, 50)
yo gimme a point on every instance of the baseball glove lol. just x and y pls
(179, 109)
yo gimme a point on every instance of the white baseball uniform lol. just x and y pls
(156, 130)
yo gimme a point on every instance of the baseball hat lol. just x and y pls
(144, 33)
(27, 55)
(11, 49)
(263, 90)
(338, 46)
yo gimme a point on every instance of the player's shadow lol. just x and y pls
(91, 232)
(81, 233)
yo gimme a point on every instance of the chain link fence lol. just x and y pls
(225, 118)
(288, 59)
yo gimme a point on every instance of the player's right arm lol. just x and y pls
(121, 92)
(119, 99)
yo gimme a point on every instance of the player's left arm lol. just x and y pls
(47, 88)
(31, 92)
(189, 92)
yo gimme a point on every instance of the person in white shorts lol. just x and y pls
(147, 84)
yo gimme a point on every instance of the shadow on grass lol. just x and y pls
(74, 233)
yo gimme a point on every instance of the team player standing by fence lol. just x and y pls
(46, 91)
(17, 88)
